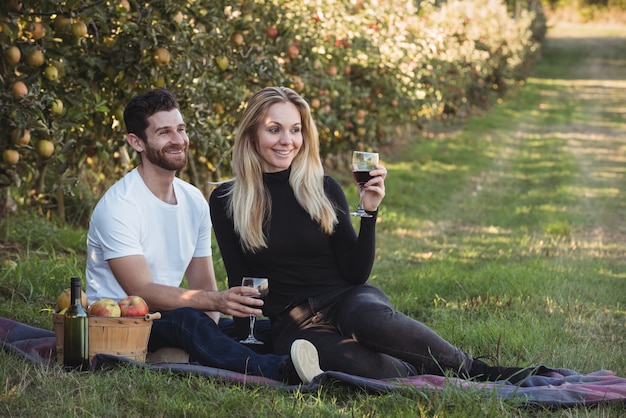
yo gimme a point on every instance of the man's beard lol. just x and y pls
(161, 158)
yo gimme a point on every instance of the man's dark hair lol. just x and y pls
(141, 107)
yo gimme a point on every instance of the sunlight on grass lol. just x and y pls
(619, 84)
(559, 228)
(594, 192)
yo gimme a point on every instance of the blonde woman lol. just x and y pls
(283, 218)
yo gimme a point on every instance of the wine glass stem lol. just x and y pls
(252, 322)
(361, 192)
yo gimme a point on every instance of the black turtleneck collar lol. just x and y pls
(277, 177)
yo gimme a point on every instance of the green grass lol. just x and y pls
(504, 235)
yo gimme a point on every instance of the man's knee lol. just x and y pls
(187, 315)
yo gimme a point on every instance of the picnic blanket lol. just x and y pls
(551, 387)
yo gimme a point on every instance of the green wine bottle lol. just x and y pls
(76, 331)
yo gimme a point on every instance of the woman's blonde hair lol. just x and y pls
(249, 202)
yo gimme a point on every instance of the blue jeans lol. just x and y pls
(357, 331)
(215, 346)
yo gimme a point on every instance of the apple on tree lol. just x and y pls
(13, 55)
(222, 63)
(45, 148)
(20, 137)
(57, 106)
(19, 89)
(271, 32)
(133, 306)
(293, 51)
(104, 307)
(10, 156)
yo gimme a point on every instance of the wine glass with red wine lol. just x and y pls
(362, 164)
(262, 285)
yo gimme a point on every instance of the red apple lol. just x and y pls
(104, 307)
(315, 103)
(238, 39)
(293, 51)
(133, 306)
(271, 32)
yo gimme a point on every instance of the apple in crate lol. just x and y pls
(64, 299)
(133, 306)
(104, 307)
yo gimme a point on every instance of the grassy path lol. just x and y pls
(512, 226)
(593, 129)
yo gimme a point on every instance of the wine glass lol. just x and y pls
(362, 164)
(262, 285)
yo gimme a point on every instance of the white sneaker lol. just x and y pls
(305, 360)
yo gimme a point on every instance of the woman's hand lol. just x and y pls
(374, 190)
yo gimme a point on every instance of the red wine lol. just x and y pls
(361, 177)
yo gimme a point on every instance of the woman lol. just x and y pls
(282, 218)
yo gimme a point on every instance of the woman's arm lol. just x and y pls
(355, 254)
(230, 249)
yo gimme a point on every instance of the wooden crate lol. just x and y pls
(125, 336)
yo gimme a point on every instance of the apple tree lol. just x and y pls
(368, 69)
(70, 67)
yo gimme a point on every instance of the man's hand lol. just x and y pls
(133, 274)
(238, 301)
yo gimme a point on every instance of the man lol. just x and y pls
(151, 228)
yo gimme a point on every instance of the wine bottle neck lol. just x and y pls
(75, 293)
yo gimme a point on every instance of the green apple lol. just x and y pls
(51, 73)
(57, 106)
(12, 55)
(10, 156)
(222, 63)
(45, 148)
(104, 307)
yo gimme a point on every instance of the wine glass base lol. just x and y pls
(361, 214)
(251, 340)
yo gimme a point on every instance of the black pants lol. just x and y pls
(358, 332)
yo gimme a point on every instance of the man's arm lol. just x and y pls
(133, 274)
(201, 276)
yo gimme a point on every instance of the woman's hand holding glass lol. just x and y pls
(374, 190)
(362, 164)
(370, 177)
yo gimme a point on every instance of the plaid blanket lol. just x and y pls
(551, 387)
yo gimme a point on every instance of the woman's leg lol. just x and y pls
(336, 352)
(365, 313)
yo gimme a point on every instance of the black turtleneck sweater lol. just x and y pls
(300, 261)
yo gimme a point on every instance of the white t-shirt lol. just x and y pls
(131, 220)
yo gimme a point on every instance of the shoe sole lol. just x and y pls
(305, 360)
